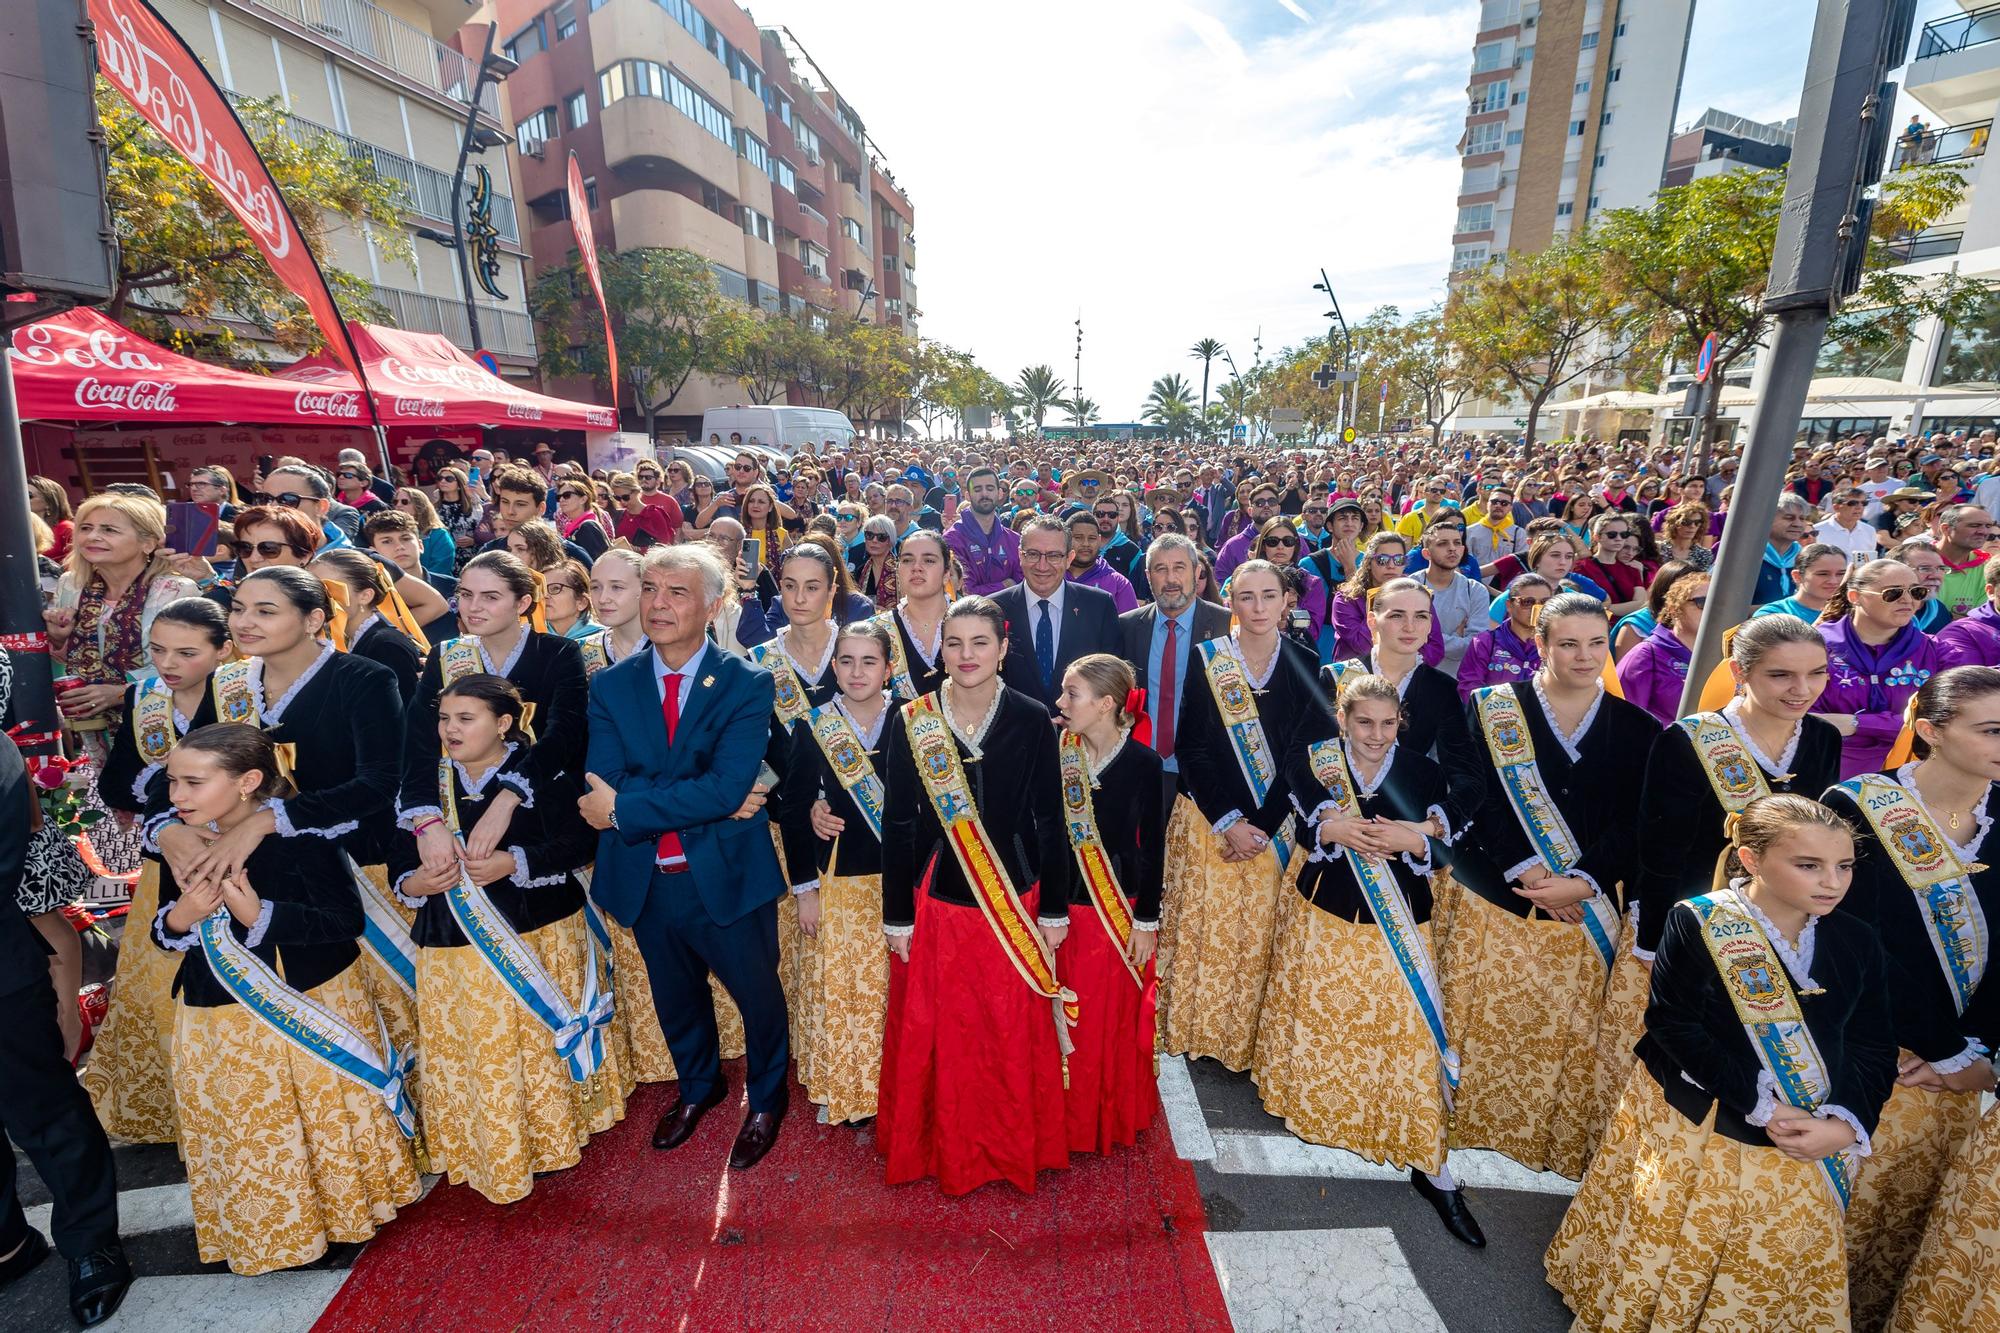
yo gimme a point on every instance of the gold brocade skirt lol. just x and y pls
(635, 1024)
(1677, 1227)
(283, 1154)
(843, 998)
(499, 1104)
(1216, 924)
(1953, 1285)
(1913, 1145)
(130, 1076)
(1521, 998)
(792, 946)
(1343, 1055)
(1620, 1024)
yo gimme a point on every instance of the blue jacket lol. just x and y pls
(691, 787)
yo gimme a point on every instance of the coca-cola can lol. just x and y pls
(63, 685)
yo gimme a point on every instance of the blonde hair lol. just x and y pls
(1361, 688)
(1108, 677)
(1758, 826)
(148, 518)
(422, 510)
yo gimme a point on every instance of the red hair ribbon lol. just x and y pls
(1142, 726)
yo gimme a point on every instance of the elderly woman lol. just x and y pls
(1654, 674)
(874, 564)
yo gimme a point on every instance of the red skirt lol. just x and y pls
(1112, 1090)
(972, 1084)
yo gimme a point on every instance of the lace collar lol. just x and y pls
(611, 645)
(1270, 669)
(1798, 960)
(1402, 682)
(273, 714)
(976, 737)
(871, 735)
(506, 668)
(1982, 823)
(1369, 786)
(928, 653)
(477, 790)
(1781, 767)
(818, 673)
(1574, 740)
(357, 632)
(1097, 766)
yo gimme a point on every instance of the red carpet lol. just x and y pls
(810, 1239)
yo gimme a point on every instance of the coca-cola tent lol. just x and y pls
(81, 366)
(423, 378)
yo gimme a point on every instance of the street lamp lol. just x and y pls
(1325, 284)
(493, 68)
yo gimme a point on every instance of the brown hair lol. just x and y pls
(1759, 825)
(497, 693)
(1109, 677)
(239, 749)
(546, 552)
(1357, 688)
(1679, 595)
(1358, 582)
(521, 480)
(301, 534)
(1946, 694)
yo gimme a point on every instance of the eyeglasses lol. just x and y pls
(1111, 514)
(1263, 501)
(622, 497)
(1315, 513)
(1529, 601)
(272, 550)
(571, 495)
(1698, 601)
(286, 499)
(873, 537)
(1388, 559)
(575, 589)
(1893, 595)
(1851, 504)
(742, 467)
(345, 475)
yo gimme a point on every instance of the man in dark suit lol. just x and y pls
(685, 859)
(43, 1109)
(1050, 621)
(1159, 643)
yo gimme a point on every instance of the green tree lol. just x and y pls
(1287, 381)
(1429, 371)
(1082, 411)
(668, 315)
(1236, 396)
(1205, 352)
(756, 349)
(1036, 391)
(1170, 404)
(183, 254)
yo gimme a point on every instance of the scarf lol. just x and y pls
(1876, 662)
(105, 647)
(1785, 561)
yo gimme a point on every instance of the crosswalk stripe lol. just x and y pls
(1347, 1278)
(141, 1212)
(283, 1302)
(1185, 1120)
(1247, 1153)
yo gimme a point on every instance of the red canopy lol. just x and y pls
(421, 378)
(80, 366)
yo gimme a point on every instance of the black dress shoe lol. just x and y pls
(1451, 1210)
(97, 1283)
(677, 1126)
(759, 1132)
(33, 1249)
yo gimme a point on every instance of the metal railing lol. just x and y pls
(1931, 244)
(1959, 31)
(507, 332)
(377, 35)
(1957, 143)
(426, 190)
(813, 213)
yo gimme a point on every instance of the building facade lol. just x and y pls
(696, 130)
(1717, 142)
(386, 80)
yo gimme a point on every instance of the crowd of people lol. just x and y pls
(960, 781)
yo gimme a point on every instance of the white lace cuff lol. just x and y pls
(1974, 1052)
(1767, 1100)
(1053, 922)
(810, 886)
(1512, 874)
(1422, 867)
(1862, 1147)
(140, 783)
(415, 815)
(1147, 926)
(149, 831)
(1589, 879)
(167, 940)
(255, 935)
(523, 880)
(522, 788)
(899, 932)
(286, 829)
(1226, 823)
(1449, 835)
(404, 898)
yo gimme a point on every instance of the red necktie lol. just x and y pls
(669, 850)
(1163, 689)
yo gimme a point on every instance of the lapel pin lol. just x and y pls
(707, 681)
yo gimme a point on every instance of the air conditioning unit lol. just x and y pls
(535, 148)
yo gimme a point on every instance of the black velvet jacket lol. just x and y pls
(1434, 726)
(1133, 825)
(127, 782)
(1290, 700)
(809, 778)
(384, 643)
(549, 674)
(1414, 784)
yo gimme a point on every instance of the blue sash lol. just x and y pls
(1942, 881)
(848, 758)
(1229, 683)
(305, 1023)
(384, 933)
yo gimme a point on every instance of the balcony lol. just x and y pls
(1934, 243)
(1958, 143)
(378, 36)
(507, 333)
(1956, 70)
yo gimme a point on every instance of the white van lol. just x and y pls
(784, 429)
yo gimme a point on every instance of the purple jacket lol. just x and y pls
(991, 562)
(1352, 639)
(1104, 578)
(1971, 640)
(1655, 672)
(1873, 684)
(1496, 657)
(1233, 553)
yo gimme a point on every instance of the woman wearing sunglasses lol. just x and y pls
(1876, 658)
(1386, 554)
(576, 517)
(1278, 542)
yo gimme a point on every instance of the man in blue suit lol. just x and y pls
(1052, 620)
(685, 858)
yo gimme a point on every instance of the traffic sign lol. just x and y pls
(1326, 376)
(1347, 436)
(488, 360)
(1242, 431)
(1705, 361)
(1287, 419)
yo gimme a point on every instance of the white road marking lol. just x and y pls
(1184, 1115)
(1352, 1279)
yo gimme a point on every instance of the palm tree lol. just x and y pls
(1205, 351)
(1170, 403)
(1082, 410)
(1036, 391)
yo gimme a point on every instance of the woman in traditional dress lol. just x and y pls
(294, 1122)
(832, 815)
(1533, 932)
(1351, 1047)
(1715, 1201)
(1954, 1281)
(1228, 840)
(1382, 562)
(1922, 886)
(505, 963)
(1117, 834)
(972, 1079)
(130, 1075)
(1876, 660)
(924, 569)
(379, 625)
(1507, 652)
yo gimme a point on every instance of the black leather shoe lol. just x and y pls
(33, 1249)
(98, 1283)
(1451, 1210)
(677, 1126)
(759, 1132)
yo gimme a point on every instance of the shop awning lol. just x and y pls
(423, 378)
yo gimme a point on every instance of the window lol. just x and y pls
(1467, 257)
(1619, 31)
(807, 140)
(782, 173)
(848, 175)
(529, 41)
(756, 224)
(1587, 42)
(564, 15)
(1523, 55)
(1486, 56)
(685, 14)
(576, 108)
(854, 231)
(1564, 209)
(889, 263)
(1604, 119)
(1513, 137)
(849, 122)
(1474, 217)
(1583, 85)
(813, 257)
(1576, 128)
(532, 134)
(590, 190)
(644, 78)
(1484, 138)
(1493, 97)
(1517, 99)
(753, 150)
(741, 70)
(731, 283)
(894, 305)
(1616, 71)
(1599, 161)
(1593, 202)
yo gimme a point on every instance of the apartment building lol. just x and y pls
(1716, 142)
(697, 130)
(385, 80)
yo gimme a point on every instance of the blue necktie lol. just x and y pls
(1045, 646)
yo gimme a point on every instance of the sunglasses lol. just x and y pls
(1893, 595)
(1389, 559)
(1281, 541)
(286, 499)
(1698, 601)
(1530, 601)
(348, 476)
(1615, 536)
(873, 537)
(1852, 504)
(1111, 514)
(272, 550)
(621, 496)
(1315, 513)
(571, 495)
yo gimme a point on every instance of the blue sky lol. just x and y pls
(1179, 169)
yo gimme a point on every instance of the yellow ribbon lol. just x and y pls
(538, 617)
(1720, 687)
(1905, 748)
(527, 719)
(288, 755)
(397, 612)
(336, 623)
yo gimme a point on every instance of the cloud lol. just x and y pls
(1293, 8)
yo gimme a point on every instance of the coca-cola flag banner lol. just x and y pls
(586, 244)
(146, 61)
